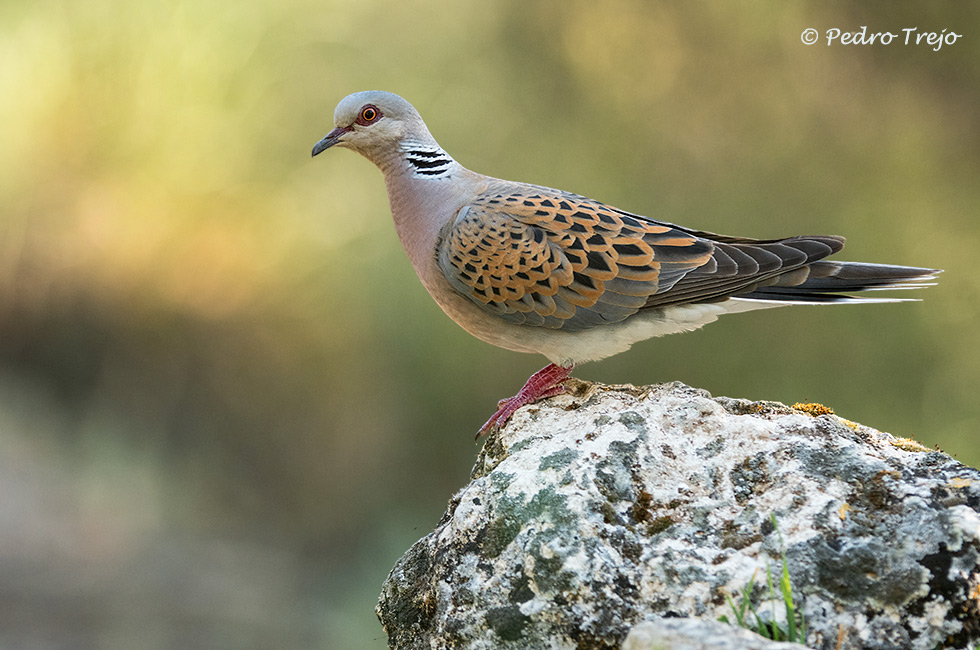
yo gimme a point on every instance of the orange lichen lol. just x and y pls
(907, 444)
(812, 408)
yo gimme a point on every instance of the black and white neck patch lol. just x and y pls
(427, 160)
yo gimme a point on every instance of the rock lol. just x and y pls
(696, 634)
(597, 510)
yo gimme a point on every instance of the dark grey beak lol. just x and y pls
(330, 139)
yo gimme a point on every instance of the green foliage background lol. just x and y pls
(226, 404)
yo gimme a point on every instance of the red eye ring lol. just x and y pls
(368, 114)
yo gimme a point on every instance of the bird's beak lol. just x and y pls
(330, 139)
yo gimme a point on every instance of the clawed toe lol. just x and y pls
(545, 383)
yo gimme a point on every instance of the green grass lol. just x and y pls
(746, 612)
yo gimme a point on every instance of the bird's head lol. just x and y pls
(372, 123)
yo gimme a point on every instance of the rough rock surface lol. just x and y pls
(696, 634)
(594, 511)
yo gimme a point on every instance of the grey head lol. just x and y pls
(374, 123)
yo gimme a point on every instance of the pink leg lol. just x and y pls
(546, 382)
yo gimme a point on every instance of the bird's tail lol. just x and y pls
(829, 282)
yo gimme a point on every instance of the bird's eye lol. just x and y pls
(368, 115)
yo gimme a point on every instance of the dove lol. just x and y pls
(540, 270)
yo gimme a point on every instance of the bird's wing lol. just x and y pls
(541, 257)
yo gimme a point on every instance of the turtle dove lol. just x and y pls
(534, 269)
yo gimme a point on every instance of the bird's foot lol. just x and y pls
(546, 382)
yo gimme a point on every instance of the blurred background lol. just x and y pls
(227, 406)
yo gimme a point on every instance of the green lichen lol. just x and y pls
(507, 622)
(659, 525)
(558, 460)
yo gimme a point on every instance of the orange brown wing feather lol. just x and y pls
(558, 260)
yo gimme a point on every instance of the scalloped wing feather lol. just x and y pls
(542, 257)
(558, 260)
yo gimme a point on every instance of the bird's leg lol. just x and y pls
(546, 382)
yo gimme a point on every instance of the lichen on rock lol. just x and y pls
(597, 510)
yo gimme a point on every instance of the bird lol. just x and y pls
(539, 270)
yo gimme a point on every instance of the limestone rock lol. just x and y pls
(696, 634)
(597, 510)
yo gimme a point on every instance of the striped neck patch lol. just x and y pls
(427, 160)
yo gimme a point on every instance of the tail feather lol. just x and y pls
(828, 282)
